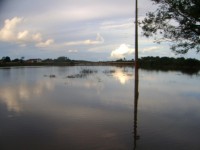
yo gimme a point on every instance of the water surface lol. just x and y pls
(92, 108)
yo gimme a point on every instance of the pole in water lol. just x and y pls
(136, 33)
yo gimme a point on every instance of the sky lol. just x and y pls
(95, 30)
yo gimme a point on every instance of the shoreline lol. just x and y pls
(160, 67)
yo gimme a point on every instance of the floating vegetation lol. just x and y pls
(83, 73)
(109, 71)
(76, 76)
(88, 71)
(50, 76)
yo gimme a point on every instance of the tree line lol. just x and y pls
(144, 62)
(169, 63)
(7, 59)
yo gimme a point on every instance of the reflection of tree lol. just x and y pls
(136, 96)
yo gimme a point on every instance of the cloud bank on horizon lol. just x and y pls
(83, 29)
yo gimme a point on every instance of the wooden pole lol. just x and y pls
(136, 91)
(136, 33)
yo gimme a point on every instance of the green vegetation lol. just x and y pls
(5, 59)
(169, 62)
(176, 21)
(189, 66)
(159, 63)
(60, 61)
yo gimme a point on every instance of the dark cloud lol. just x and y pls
(1, 4)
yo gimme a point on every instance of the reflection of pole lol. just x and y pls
(136, 90)
(136, 96)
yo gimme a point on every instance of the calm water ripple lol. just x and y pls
(93, 108)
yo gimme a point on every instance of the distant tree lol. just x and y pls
(177, 21)
(119, 60)
(6, 59)
(62, 59)
(22, 59)
(48, 60)
(169, 61)
(16, 60)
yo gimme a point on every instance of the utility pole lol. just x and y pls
(136, 90)
(136, 33)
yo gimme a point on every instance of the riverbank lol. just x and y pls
(73, 63)
(147, 63)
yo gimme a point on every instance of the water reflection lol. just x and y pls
(15, 96)
(136, 98)
(99, 111)
(83, 73)
(121, 74)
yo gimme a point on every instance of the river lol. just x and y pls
(95, 108)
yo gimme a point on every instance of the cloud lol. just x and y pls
(122, 51)
(45, 44)
(150, 49)
(11, 33)
(72, 51)
(117, 26)
(83, 10)
(8, 32)
(23, 35)
(99, 40)
(37, 37)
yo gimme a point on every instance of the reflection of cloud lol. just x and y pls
(9, 96)
(24, 92)
(94, 85)
(123, 77)
(14, 97)
(90, 84)
(122, 51)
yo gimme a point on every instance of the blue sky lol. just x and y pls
(79, 29)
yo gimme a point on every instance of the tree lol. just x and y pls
(176, 21)
(16, 60)
(62, 59)
(22, 59)
(6, 59)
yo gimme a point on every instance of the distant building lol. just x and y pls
(37, 60)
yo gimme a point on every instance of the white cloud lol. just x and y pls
(122, 51)
(73, 51)
(117, 26)
(37, 37)
(45, 44)
(99, 40)
(11, 33)
(23, 35)
(8, 32)
(150, 49)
